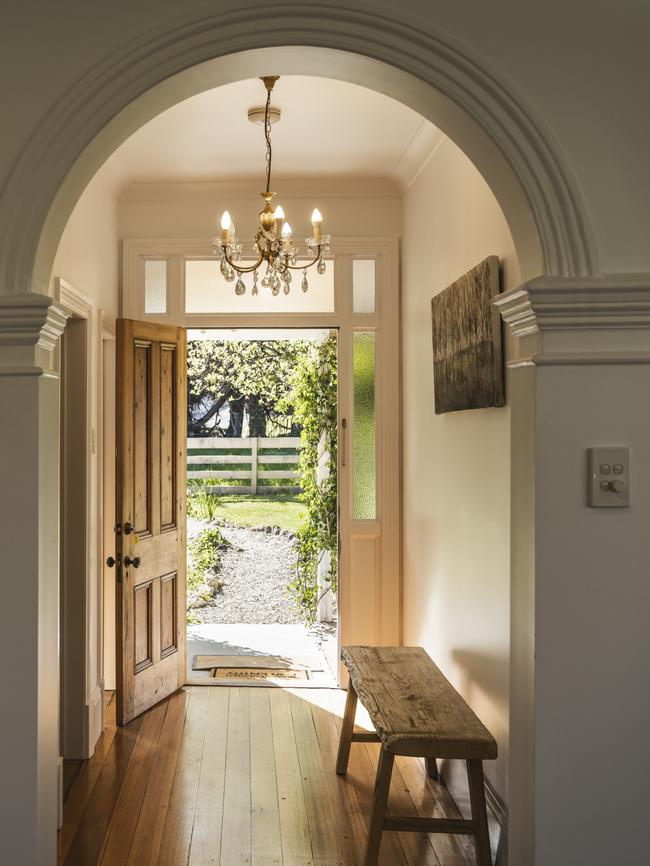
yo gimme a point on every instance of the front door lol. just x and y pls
(150, 514)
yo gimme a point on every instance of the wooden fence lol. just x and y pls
(256, 461)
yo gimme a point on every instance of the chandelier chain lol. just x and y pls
(267, 135)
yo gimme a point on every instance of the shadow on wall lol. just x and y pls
(483, 673)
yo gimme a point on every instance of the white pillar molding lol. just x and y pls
(558, 320)
(579, 378)
(30, 326)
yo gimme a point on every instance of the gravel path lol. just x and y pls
(257, 570)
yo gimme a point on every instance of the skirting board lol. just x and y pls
(94, 721)
(454, 775)
(59, 793)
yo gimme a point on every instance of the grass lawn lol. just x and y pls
(280, 510)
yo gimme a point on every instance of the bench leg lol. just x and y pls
(380, 802)
(479, 812)
(432, 769)
(346, 731)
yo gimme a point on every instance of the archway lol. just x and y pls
(500, 136)
(541, 205)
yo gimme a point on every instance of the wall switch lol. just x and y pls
(609, 477)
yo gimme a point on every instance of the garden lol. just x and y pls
(262, 501)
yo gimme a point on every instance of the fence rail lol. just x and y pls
(253, 455)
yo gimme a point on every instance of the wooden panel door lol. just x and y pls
(150, 513)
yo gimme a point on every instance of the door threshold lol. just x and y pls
(260, 684)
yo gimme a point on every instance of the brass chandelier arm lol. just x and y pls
(308, 265)
(239, 269)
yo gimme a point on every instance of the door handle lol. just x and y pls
(111, 561)
(135, 562)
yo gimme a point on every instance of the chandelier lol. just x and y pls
(273, 245)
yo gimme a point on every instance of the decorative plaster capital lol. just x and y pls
(30, 326)
(559, 320)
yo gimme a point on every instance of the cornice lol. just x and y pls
(30, 320)
(72, 301)
(579, 321)
(291, 188)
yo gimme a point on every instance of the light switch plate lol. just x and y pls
(609, 477)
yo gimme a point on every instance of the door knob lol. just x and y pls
(128, 528)
(135, 562)
(111, 561)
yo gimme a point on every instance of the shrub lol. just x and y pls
(204, 553)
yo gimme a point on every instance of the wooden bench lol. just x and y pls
(417, 712)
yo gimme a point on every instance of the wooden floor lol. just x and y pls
(242, 776)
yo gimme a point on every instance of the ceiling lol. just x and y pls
(328, 128)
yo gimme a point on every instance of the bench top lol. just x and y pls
(414, 708)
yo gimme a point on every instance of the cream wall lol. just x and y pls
(456, 466)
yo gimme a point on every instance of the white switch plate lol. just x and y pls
(609, 477)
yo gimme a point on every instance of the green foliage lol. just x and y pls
(314, 398)
(205, 555)
(234, 371)
(200, 502)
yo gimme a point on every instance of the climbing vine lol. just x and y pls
(314, 400)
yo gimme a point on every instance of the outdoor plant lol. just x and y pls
(204, 559)
(200, 502)
(314, 398)
(204, 556)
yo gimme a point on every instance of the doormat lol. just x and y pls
(261, 662)
(262, 671)
(259, 674)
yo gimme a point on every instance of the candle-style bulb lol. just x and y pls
(278, 213)
(316, 221)
(286, 238)
(226, 224)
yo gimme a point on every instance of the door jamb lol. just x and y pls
(83, 703)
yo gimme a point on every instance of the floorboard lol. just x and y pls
(228, 776)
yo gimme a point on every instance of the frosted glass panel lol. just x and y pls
(206, 291)
(155, 286)
(364, 486)
(363, 285)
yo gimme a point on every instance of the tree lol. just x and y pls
(251, 374)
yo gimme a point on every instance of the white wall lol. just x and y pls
(592, 615)
(456, 466)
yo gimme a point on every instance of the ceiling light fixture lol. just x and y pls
(274, 243)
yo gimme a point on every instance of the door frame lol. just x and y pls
(380, 621)
(81, 698)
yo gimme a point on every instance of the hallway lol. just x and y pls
(242, 775)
